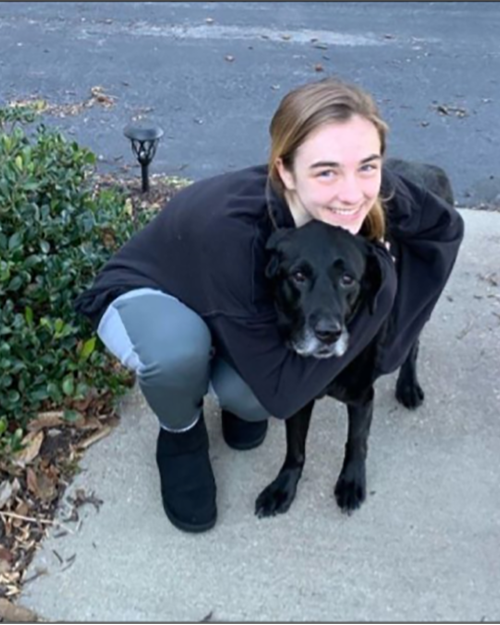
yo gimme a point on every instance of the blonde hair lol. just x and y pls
(306, 108)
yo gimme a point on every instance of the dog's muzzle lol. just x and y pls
(310, 345)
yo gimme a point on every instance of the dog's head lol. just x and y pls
(320, 275)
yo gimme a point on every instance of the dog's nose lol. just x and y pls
(328, 331)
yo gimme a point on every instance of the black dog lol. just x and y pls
(320, 275)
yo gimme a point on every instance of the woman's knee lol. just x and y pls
(234, 394)
(178, 363)
(157, 335)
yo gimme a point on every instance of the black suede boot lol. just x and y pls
(240, 434)
(187, 480)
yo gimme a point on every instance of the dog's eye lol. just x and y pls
(299, 277)
(346, 280)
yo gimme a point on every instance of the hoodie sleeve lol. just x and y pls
(425, 234)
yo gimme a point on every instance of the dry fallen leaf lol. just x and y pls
(6, 555)
(446, 109)
(319, 68)
(6, 491)
(36, 104)
(31, 446)
(101, 97)
(16, 613)
(82, 498)
(47, 487)
(22, 509)
(32, 482)
(46, 420)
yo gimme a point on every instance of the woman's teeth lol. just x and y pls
(343, 211)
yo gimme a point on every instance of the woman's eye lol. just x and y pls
(369, 167)
(346, 280)
(328, 173)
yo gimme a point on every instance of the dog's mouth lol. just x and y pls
(308, 345)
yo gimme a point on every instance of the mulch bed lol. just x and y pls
(33, 482)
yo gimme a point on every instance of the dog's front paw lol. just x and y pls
(350, 490)
(278, 496)
(410, 394)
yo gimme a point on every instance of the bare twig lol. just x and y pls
(38, 573)
(61, 561)
(13, 515)
(95, 437)
(465, 331)
(70, 561)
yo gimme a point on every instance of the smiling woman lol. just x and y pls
(335, 175)
(187, 305)
(327, 144)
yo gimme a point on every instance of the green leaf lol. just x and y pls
(71, 415)
(68, 385)
(45, 247)
(39, 395)
(59, 325)
(15, 284)
(28, 315)
(15, 240)
(88, 348)
(53, 391)
(13, 397)
(15, 440)
(32, 261)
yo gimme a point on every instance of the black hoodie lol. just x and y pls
(207, 248)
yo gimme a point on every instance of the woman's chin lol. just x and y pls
(351, 225)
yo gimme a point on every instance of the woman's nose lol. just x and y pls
(349, 190)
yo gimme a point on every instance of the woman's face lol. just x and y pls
(336, 174)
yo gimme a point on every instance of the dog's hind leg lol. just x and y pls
(350, 490)
(408, 390)
(279, 495)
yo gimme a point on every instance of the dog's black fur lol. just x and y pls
(320, 275)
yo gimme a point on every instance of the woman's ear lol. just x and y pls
(286, 175)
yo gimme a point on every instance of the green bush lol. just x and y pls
(56, 231)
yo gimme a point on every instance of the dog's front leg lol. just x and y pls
(350, 490)
(278, 496)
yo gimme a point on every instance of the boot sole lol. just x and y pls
(193, 528)
(247, 446)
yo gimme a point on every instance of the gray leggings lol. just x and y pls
(170, 348)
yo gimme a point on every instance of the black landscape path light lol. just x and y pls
(144, 142)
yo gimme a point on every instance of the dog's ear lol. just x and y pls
(372, 278)
(273, 245)
(276, 237)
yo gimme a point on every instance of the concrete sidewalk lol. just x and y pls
(424, 547)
